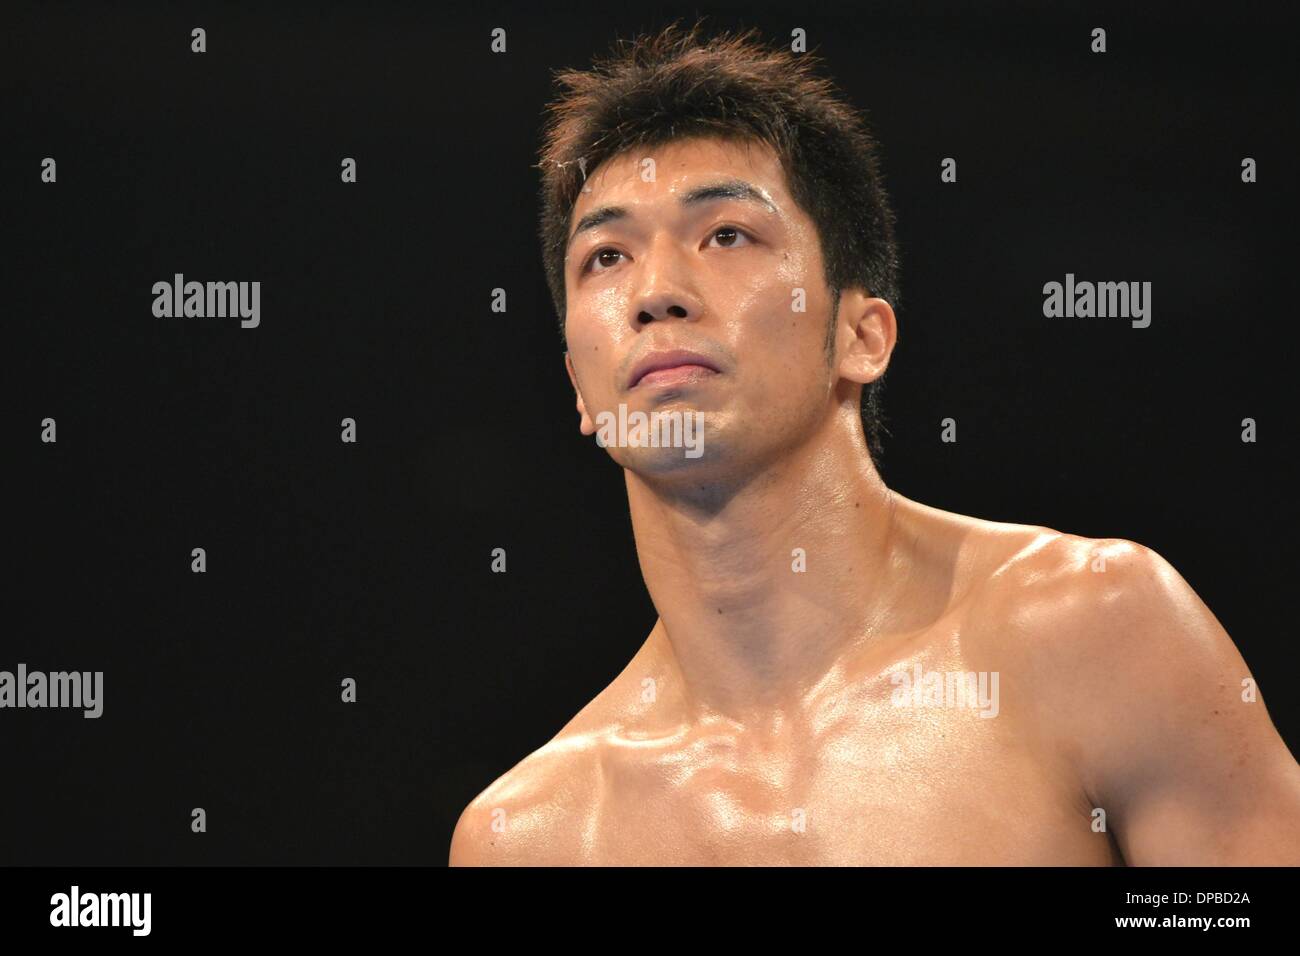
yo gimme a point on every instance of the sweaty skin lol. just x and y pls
(760, 722)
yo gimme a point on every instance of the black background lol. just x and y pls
(328, 560)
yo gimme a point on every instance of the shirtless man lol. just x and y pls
(767, 718)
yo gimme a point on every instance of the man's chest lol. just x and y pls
(888, 784)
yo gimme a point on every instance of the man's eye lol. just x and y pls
(597, 255)
(729, 231)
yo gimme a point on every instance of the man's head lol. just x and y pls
(718, 197)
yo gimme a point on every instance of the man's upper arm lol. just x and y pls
(1175, 743)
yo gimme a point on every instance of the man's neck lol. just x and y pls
(764, 587)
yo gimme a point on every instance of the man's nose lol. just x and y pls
(661, 306)
(665, 291)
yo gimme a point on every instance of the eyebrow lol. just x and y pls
(736, 189)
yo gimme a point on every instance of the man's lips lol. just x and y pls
(672, 367)
(676, 375)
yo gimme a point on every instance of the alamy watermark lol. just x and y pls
(75, 908)
(1129, 300)
(84, 690)
(921, 688)
(181, 299)
(670, 429)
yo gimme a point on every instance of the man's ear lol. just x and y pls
(584, 425)
(866, 331)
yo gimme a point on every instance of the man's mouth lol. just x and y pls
(676, 375)
(674, 367)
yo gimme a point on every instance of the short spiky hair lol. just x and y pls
(674, 85)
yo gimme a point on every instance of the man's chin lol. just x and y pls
(661, 438)
(714, 461)
(664, 462)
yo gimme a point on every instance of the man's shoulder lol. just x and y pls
(1066, 600)
(1075, 594)
(1111, 641)
(1141, 689)
(538, 811)
(534, 813)
(1032, 568)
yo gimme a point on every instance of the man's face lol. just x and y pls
(721, 276)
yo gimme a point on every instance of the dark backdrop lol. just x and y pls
(371, 561)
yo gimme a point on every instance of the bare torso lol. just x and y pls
(857, 774)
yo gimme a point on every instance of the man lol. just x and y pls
(718, 243)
